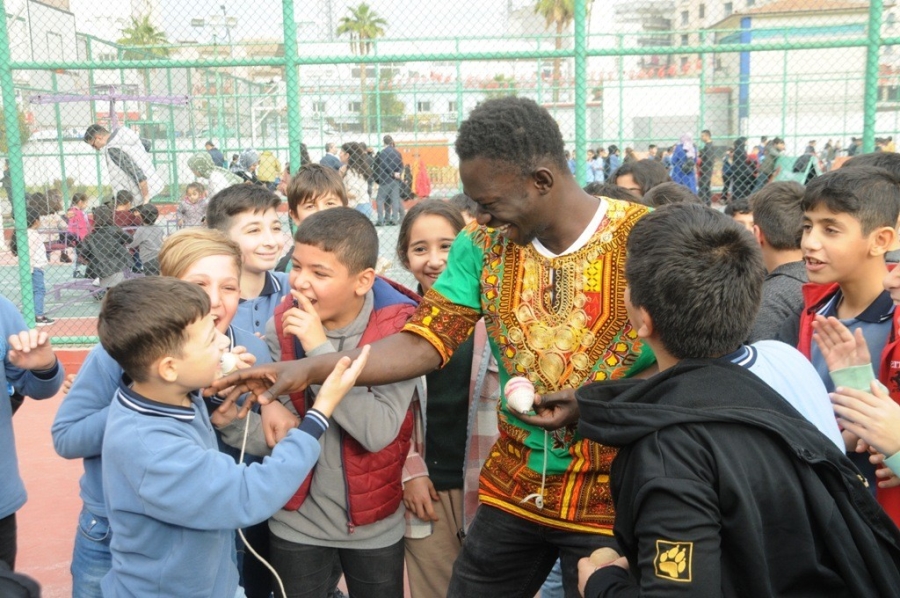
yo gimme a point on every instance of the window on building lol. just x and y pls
(55, 46)
(684, 62)
(452, 106)
(728, 8)
(685, 17)
(423, 106)
(702, 12)
(684, 40)
(318, 107)
(354, 106)
(751, 3)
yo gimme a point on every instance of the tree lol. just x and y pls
(560, 13)
(24, 132)
(144, 41)
(363, 25)
(499, 87)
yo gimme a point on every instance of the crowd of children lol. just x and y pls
(725, 471)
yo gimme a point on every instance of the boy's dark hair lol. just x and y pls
(646, 173)
(707, 131)
(777, 213)
(666, 193)
(148, 213)
(777, 140)
(32, 215)
(699, 275)
(94, 130)
(434, 207)
(464, 204)
(78, 198)
(312, 181)
(513, 130)
(346, 233)
(103, 216)
(144, 319)
(609, 190)
(124, 197)
(870, 195)
(237, 199)
(738, 206)
(889, 161)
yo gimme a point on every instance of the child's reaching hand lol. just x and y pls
(339, 382)
(873, 416)
(303, 322)
(840, 348)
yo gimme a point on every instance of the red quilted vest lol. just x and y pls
(374, 489)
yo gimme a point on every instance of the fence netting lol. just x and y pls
(264, 87)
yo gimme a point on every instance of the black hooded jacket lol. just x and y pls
(722, 489)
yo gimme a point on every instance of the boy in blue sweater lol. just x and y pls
(172, 497)
(30, 367)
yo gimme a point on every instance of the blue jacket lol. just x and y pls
(252, 314)
(387, 162)
(174, 500)
(38, 385)
(81, 420)
(331, 161)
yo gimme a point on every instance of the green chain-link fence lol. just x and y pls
(286, 79)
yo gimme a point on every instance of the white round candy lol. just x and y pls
(228, 363)
(520, 394)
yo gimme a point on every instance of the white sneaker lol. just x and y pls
(96, 282)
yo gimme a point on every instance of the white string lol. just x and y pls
(539, 496)
(241, 533)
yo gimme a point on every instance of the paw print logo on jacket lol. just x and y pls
(673, 560)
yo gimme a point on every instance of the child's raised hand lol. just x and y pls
(873, 416)
(339, 382)
(245, 360)
(840, 348)
(31, 350)
(304, 323)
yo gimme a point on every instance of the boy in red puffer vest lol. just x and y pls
(848, 226)
(350, 507)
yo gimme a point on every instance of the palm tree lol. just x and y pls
(363, 25)
(141, 32)
(560, 13)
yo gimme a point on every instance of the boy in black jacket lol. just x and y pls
(720, 486)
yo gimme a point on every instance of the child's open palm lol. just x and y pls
(840, 348)
(339, 382)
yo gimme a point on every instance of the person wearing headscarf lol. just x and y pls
(743, 172)
(684, 163)
(247, 164)
(201, 164)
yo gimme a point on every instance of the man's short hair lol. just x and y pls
(124, 197)
(148, 213)
(777, 140)
(646, 173)
(609, 190)
(889, 161)
(388, 140)
(699, 275)
(103, 216)
(344, 232)
(666, 193)
(144, 319)
(738, 206)
(868, 194)
(706, 131)
(464, 203)
(92, 131)
(313, 181)
(209, 143)
(329, 146)
(513, 130)
(237, 199)
(777, 213)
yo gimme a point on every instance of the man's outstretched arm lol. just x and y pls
(400, 356)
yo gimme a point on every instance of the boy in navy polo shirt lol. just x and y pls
(247, 214)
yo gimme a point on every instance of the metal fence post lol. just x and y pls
(292, 83)
(580, 89)
(16, 170)
(876, 11)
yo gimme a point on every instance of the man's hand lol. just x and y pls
(840, 348)
(277, 421)
(553, 410)
(267, 382)
(304, 323)
(145, 189)
(418, 496)
(31, 350)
